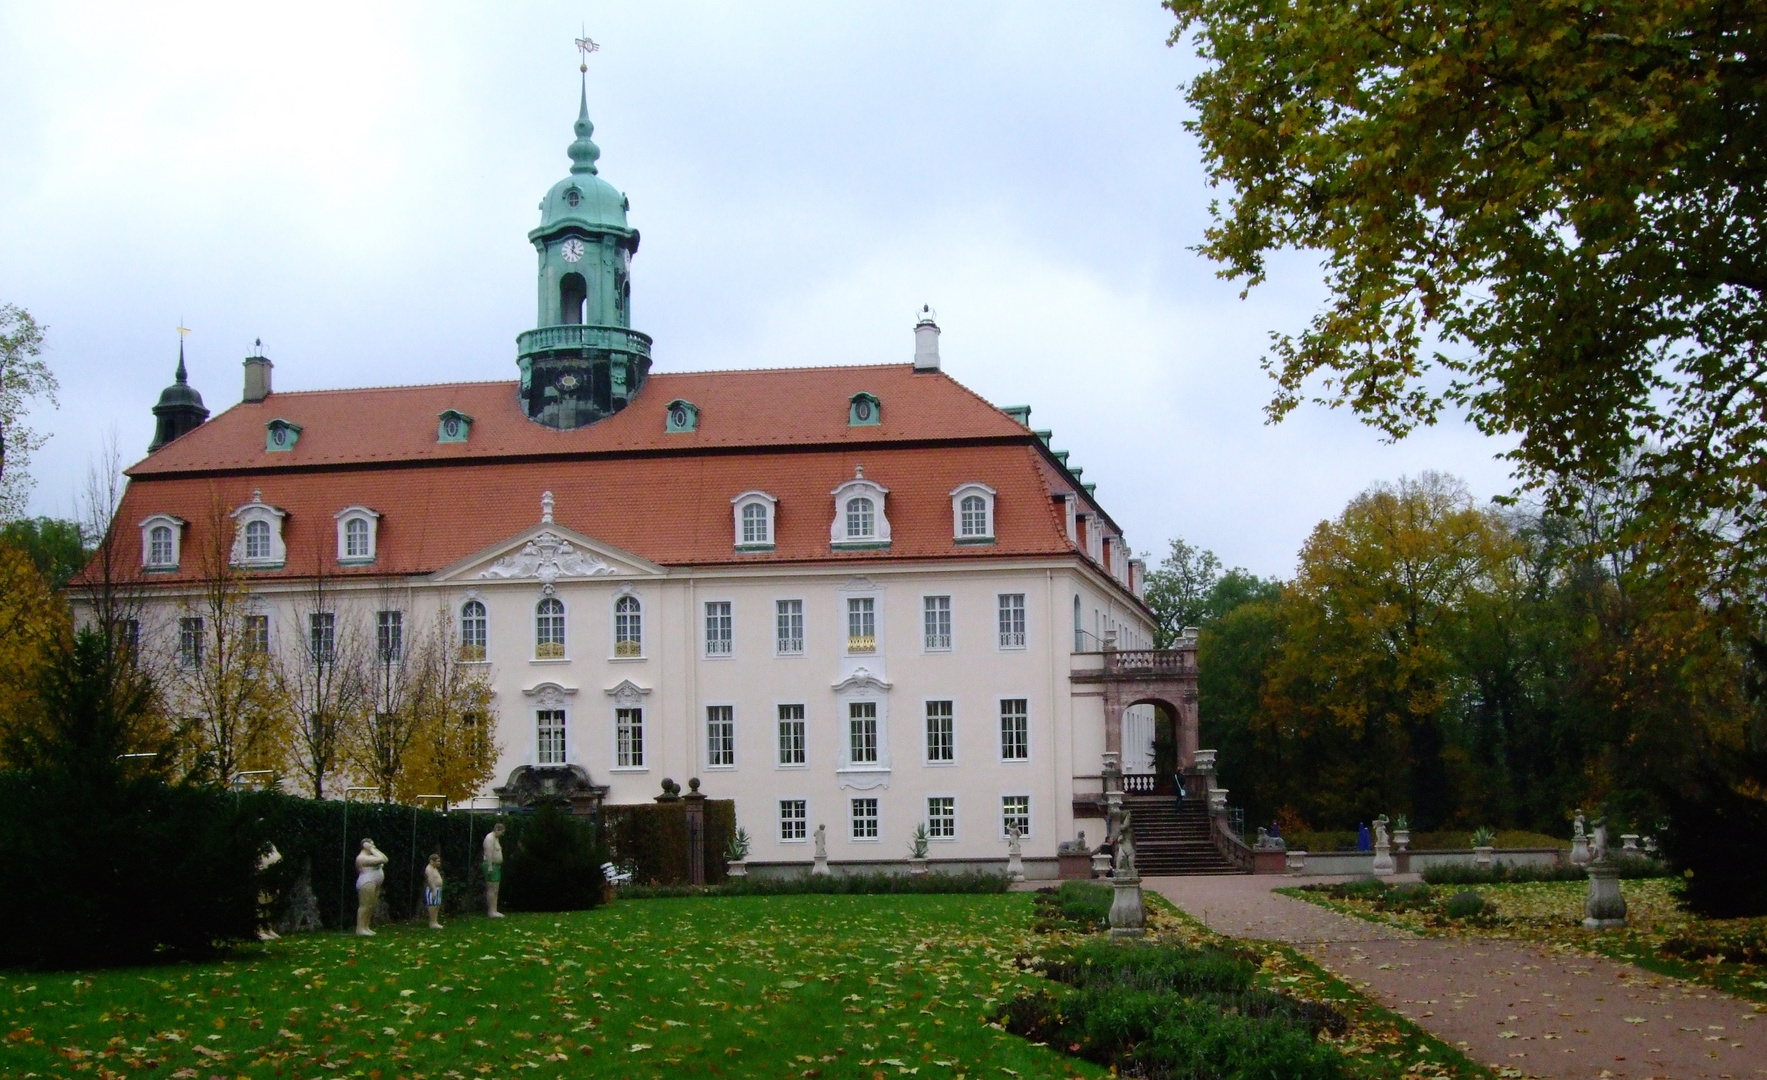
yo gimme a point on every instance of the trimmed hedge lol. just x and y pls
(1499, 874)
(650, 839)
(874, 884)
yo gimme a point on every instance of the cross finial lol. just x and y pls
(546, 508)
(585, 46)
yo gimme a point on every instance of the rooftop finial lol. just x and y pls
(584, 152)
(183, 331)
(546, 508)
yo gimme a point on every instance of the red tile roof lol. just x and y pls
(623, 481)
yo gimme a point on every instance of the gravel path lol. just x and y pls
(1509, 1004)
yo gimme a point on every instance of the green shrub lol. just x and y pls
(650, 839)
(1464, 904)
(1502, 873)
(555, 864)
(1414, 896)
(1082, 905)
(874, 884)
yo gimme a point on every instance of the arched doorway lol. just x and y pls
(1152, 741)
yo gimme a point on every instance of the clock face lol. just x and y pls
(572, 250)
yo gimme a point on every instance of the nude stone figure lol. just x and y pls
(493, 862)
(369, 876)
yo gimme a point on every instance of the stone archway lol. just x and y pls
(1151, 737)
(1162, 677)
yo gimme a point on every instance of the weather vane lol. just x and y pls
(183, 331)
(586, 45)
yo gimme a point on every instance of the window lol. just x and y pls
(865, 819)
(937, 623)
(356, 529)
(628, 628)
(1015, 810)
(549, 736)
(790, 639)
(257, 633)
(718, 628)
(355, 539)
(861, 624)
(472, 724)
(863, 410)
(389, 636)
(791, 734)
(972, 514)
(473, 630)
(549, 629)
(682, 417)
(629, 738)
(1015, 730)
(861, 519)
(190, 642)
(794, 820)
(258, 540)
(160, 547)
(1012, 620)
(1079, 631)
(754, 520)
(862, 732)
(941, 817)
(452, 425)
(322, 636)
(941, 743)
(132, 636)
(720, 736)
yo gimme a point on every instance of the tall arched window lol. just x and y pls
(628, 627)
(1079, 631)
(754, 524)
(472, 630)
(549, 629)
(159, 546)
(257, 540)
(861, 519)
(356, 539)
(572, 292)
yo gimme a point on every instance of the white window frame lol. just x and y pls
(484, 624)
(927, 637)
(712, 737)
(192, 641)
(624, 764)
(926, 733)
(255, 629)
(802, 720)
(1030, 823)
(1000, 714)
(628, 695)
(853, 819)
(564, 631)
(862, 686)
(781, 641)
(176, 525)
(739, 506)
(613, 625)
(854, 616)
(986, 494)
(728, 640)
(271, 516)
(369, 518)
(389, 636)
(327, 620)
(860, 488)
(564, 735)
(1004, 636)
(855, 720)
(802, 821)
(927, 816)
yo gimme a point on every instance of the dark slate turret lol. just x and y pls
(180, 409)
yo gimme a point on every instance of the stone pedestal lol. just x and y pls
(819, 868)
(1629, 842)
(1015, 867)
(1383, 860)
(1128, 914)
(1605, 907)
(1580, 851)
(1482, 857)
(695, 804)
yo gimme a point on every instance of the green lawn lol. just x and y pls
(735, 986)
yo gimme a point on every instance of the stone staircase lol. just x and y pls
(1170, 840)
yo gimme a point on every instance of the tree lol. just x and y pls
(22, 377)
(323, 681)
(455, 748)
(378, 746)
(1548, 215)
(1178, 590)
(57, 547)
(33, 626)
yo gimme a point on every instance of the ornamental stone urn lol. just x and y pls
(916, 866)
(1297, 863)
(736, 867)
(1482, 856)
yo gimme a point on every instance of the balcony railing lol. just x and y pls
(938, 642)
(628, 650)
(471, 654)
(791, 646)
(861, 643)
(578, 336)
(549, 650)
(1145, 660)
(1012, 639)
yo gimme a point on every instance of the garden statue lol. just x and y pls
(820, 866)
(1384, 866)
(266, 861)
(432, 891)
(1598, 845)
(1579, 841)
(493, 864)
(1125, 846)
(1128, 912)
(1604, 907)
(1015, 864)
(369, 875)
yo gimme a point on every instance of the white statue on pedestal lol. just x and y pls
(1579, 841)
(1384, 865)
(369, 875)
(820, 866)
(432, 891)
(493, 864)
(1015, 865)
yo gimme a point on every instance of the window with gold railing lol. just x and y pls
(626, 650)
(861, 643)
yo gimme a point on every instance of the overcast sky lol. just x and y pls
(353, 185)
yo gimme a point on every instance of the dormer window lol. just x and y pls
(972, 514)
(358, 530)
(281, 435)
(161, 535)
(864, 410)
(682, 417)
(754, 520)
(257, 544)
(452, 425)
(859, 518)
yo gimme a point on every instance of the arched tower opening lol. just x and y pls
(573, 294)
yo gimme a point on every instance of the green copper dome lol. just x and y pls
(583, 198)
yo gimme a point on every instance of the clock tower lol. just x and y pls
(583, 361)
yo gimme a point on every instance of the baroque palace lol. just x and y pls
(854, 596)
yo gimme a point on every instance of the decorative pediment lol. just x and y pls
(550, 695)
(627, 693)
(546, 558)
(548, 553)
(861, 679)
